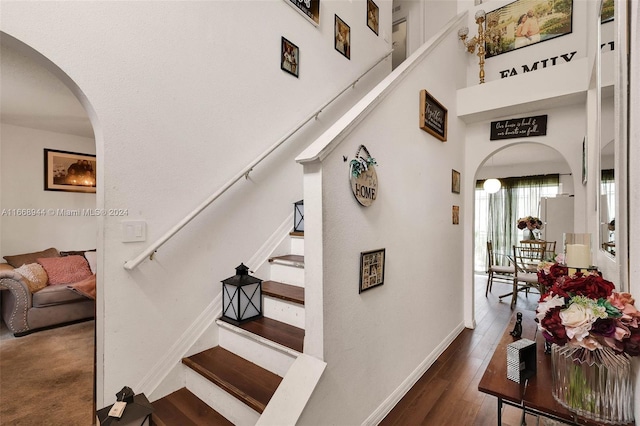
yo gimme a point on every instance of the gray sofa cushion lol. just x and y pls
(55, 295)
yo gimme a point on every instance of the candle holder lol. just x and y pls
(577, 250)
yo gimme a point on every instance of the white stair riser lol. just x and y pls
(287, 274)
(297, 246)
(283, 311)
(246, 346)
(234, 410)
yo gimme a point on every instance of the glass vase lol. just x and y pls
(593, 384)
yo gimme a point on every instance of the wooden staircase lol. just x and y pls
(232, 383)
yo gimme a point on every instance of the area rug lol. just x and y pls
(46, 378)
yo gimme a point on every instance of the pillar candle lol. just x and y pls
(578, 255)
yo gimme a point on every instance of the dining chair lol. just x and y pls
(497, 271)
(550, 250)
(526, 260)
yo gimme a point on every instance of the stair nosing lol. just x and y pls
(277, 346)
(296, 261)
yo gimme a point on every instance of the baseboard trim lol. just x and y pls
(174, 355)
(381, 412)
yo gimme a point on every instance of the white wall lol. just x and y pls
(183, 95)
(22, 177)
(375, 340)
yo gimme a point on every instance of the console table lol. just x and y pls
(534, 395)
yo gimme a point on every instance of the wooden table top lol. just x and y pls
(537, 393)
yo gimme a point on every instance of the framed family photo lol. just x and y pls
(310, 9)
(342, 37)
(373, 14)
(289, 57)
(523, 23)
(371, 269)
(69, 171)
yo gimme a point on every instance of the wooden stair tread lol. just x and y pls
(246, 381)
(296, 259)
(296, 233)
(290, 293)
(276, 331)
(185, 409)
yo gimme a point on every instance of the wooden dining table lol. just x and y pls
(533, 395)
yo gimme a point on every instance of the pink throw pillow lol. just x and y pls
(65, 270)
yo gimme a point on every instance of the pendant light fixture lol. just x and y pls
(491, 186)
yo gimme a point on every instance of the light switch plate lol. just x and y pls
(134, 231)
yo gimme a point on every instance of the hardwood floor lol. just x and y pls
(447, 394)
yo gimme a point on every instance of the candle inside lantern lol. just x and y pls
(578, 255)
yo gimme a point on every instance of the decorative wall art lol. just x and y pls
(371, 269)
(455, 215)
(433, 116)
(310, 9)
(289, 57)
(455, 181)
(363, 177)
(526, 22)
(373, 14)
(342, 37)
(69, 171)
(524, 127)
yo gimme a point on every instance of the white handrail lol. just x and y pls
(133, 263)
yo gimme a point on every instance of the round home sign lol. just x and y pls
(363, 177)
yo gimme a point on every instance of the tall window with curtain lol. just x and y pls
(496, 215)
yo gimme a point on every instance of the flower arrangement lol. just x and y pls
(582, 310)
(360, 165)
(530, 222)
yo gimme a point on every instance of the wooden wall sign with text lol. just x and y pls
(433, 116)
(524, 127)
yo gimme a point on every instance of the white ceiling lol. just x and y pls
(31, 96)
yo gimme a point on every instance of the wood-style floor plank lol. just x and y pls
(447, 393)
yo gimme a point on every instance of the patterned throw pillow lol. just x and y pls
(65, 270)
(34, 275)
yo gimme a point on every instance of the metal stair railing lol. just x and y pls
(150, 251)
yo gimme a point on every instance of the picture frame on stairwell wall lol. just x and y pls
(455, 215)
(342, 37)
(373, 16)
(310, 9)
(433, 116)
(289, 57)
(371, 269)
(524, 23)
(455, 181)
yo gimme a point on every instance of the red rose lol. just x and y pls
(554, 330)
(591, 285)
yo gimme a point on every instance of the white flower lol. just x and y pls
(548, 304)
(577, 319)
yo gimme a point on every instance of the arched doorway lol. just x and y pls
(43, 108)
(513, 163)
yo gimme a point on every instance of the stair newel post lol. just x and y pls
(241, 297)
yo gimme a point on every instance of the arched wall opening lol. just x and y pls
(33, 55)
(510, 159)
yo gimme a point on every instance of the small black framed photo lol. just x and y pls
(373, 13)
(289, 57)
(371, 269)
(342, 37)
(455, 181)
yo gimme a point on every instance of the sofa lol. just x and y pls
(48, 288)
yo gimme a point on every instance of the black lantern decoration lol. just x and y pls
(241, 297)
(298, 216)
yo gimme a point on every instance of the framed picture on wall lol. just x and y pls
(310, 9)
(433, 116)
(342, 36)
(455, 181)
(371, 269)
(455, 215)
(69, 171)
(289, 57)
(373, 13)
(523, 23)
